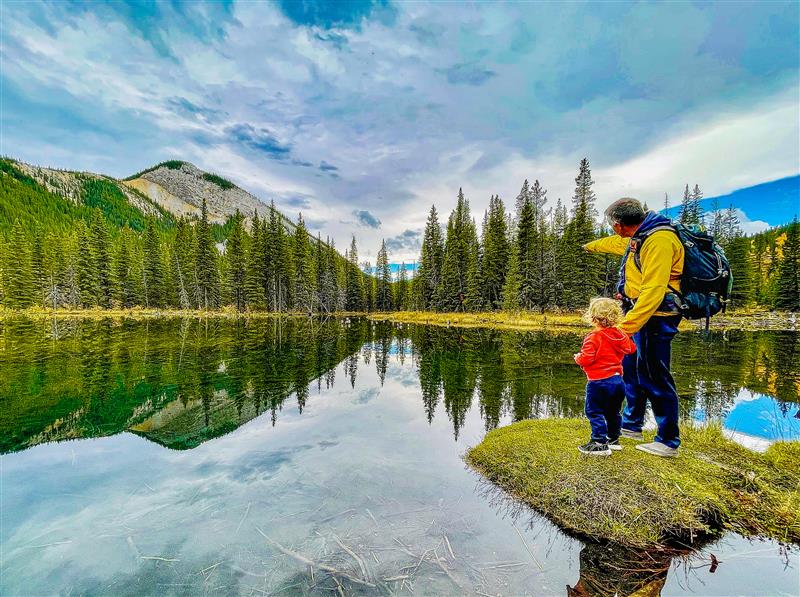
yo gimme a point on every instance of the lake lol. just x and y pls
(255, 456)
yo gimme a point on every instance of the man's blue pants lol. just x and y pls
(604, 398)
(647, 376)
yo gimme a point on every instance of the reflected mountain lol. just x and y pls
(181, 382)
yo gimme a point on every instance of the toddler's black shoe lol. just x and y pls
(593, 448)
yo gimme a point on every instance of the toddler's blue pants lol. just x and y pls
(604, 399)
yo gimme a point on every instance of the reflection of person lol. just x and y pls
(650, 269)
(601, 359)
(608, 570)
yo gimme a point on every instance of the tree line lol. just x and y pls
(104, 253)
(532, 258)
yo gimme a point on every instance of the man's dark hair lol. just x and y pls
(626, 211)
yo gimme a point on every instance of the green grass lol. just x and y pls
(639, 500)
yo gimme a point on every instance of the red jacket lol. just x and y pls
(602, 351)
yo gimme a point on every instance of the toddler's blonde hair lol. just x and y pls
(604, 312)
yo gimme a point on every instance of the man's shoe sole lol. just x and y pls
(655, 452)
(606, 452)
(615, 448)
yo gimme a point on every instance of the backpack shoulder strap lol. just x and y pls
(637, 240)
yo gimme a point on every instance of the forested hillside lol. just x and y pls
(77, 240)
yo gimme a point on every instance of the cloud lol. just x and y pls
(264, 94)
(408, 241)
(326, 167)
(261, 140)
(364, 218)
(468, 74)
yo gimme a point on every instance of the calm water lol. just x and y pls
(189, 457)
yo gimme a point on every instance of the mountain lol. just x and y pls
(180, 187)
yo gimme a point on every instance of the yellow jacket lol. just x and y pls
(662, 264)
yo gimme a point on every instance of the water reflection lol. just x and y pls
(333, 419)
(182, 382)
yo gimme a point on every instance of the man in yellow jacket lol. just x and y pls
(650, 272)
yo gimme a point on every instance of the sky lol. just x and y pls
(361, 114)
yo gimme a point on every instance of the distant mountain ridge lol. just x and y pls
(776, 202)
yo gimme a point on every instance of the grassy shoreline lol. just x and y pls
(526, 320)
(501, 320)
(638, 500)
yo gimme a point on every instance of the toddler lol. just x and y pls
(601, 359)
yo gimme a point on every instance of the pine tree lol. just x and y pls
(369, 285)
(303, 269)
(153, 267)
(738, 252)
(523, 198)
(206, 263)
(461, 236)
(787, 291)
(18, 286)
(102, 253)
(383, 290)
(38, 267)
(123, 287)
(86, 270)
(697, 196)
(495, 253)
(401, 289)
(474, 299)
(428, 276)
(561, 253)
(511, 288)
(255, 282)
(525, 253)
(582, 275)
(354, 284)
(235, 254)
(183, 266)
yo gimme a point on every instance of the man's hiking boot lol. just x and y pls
(593, 448)
(658, 449)
(613, 444)
(631, 434)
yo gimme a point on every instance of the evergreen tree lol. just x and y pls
(787, 291)
(18, 286)
(697, 196)
(38, 267)
(183, 267)
(474, 300)
(582, 274)
(354, 284)
(738, 252)
(303, 269)
(401, 289)
(255, 276)
(123, 284)
(86, 270)
(237, 267)
(526, 254)
(511, 288)
(383, 290)
(102, 253)
(369, 285)
(153, 268)
(206, 263)
(428, 276)
(461, 237)
(495, 253)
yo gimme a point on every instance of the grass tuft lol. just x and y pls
(639, 500)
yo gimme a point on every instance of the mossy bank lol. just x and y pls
(639, 500)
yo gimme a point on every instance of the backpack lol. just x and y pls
(706, 280)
